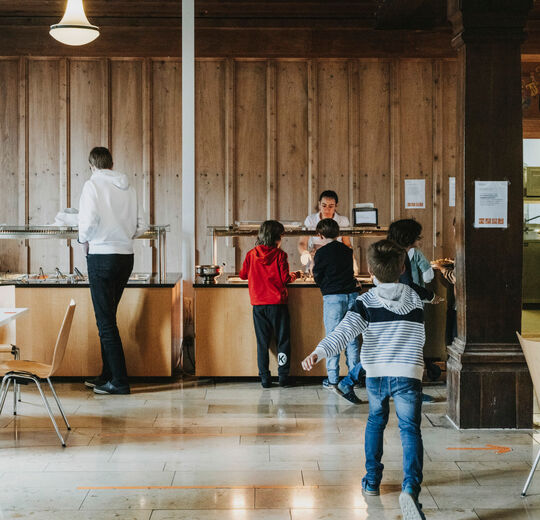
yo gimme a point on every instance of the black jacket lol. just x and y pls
(406, 278)
(333, 269)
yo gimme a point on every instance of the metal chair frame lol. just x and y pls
(12, 377)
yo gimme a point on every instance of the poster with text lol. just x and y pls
(491, 204)
(415, 193)
(451, 192)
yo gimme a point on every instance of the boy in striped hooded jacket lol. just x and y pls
(390, 318)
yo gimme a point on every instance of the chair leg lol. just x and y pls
(531, 474)
(17, 355)
(15, 385)
(49, 411)
(7, 381)
(58, 403)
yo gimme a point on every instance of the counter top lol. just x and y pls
(243, 284)
(170, 281)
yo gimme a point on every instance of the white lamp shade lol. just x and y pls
(74, 28)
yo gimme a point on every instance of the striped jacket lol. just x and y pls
(390, 318)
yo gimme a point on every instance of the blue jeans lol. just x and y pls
(346, 385)
(335, 306)
(407, 394)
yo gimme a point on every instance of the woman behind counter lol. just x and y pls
(328, 201)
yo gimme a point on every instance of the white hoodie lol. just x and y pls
(108, 214)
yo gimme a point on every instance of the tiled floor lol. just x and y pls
(231, 450)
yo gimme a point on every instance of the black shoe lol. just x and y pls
(94, 381)
(266, 383)
(286, 382)
(351, 397)
(109, 388)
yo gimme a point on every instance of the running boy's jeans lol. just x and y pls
(335, 306)
(407, 394)
(269, 319)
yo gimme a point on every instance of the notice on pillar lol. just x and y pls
(451, 192)
(415, 193)
(491, 204)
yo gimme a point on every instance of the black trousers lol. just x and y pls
(268, 320)
(108, 276)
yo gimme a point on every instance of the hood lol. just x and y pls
(395, 297)
(120, 180)
(266, 255)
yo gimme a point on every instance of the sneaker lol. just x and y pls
(328, 386)
(369, 490)
(109, 388)
(350, 396)
(266, 383)
(286, 382)
(426, 398)
(94, 381)
(410, 508)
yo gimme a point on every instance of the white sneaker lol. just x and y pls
(410, 508)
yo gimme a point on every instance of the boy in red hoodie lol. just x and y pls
(267, 271)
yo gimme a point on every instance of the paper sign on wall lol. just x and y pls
(491, 204)
(451, 191)
(415, 193)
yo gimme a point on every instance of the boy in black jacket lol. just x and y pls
(333, 272)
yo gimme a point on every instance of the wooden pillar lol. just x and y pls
(488, 381)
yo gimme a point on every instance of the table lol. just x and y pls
(8, 314)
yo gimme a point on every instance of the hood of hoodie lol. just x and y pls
(265, 254)
(120, 180)
(395, 297)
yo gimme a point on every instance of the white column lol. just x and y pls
(188, 140)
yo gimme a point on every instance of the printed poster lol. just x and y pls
(491, 204)
(451, 192)
(415, 193)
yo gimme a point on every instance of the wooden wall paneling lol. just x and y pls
(333, 128)
(88, 109)
(46, 85)
(127, 139)
(416, 127)
(211, 152)
(166, 127)
(449, 85)
(149, 247)
(313, 136)
(395, 142)
(292, 148)
(9, 160)
(23, 133)
(437, 167)
(373, 176)
(250, 146)
(271, 138)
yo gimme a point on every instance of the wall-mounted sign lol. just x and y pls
(491, 204)
(415, 193)
(451, 191)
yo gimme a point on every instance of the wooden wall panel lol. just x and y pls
(10, 258)
(292, 148)
(416, 131)
(210, 153)
(251, 194)
(88, 124)
(372, 179)
(127, 138)
(166, 130)
(46, 91)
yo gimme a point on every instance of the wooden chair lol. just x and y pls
(531, 350)
(19, 370)
(16, 353)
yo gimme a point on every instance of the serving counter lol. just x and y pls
(149, 320)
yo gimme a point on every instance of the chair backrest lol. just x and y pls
(531, 350)
(61, 341)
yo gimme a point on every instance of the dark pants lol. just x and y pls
(270, 319)
(108, 276)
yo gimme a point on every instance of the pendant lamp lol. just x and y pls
(74, 28)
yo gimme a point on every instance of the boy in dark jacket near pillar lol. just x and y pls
(267, 271)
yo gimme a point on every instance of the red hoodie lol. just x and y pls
(267, 271)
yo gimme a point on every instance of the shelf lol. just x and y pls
(239, 231)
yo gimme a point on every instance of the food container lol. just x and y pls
(208, 273)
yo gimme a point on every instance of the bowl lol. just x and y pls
(208, 273)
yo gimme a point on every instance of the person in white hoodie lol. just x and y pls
(108, 222)
(390, 318)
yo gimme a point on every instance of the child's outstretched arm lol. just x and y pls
(353, 324)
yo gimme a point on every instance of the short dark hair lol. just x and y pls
(404, 232)
(329, 194)
(270, 233)
(328, 228)
(385, 259)
(101, 158)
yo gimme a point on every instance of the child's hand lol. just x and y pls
(310, 362)
(436, 299)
